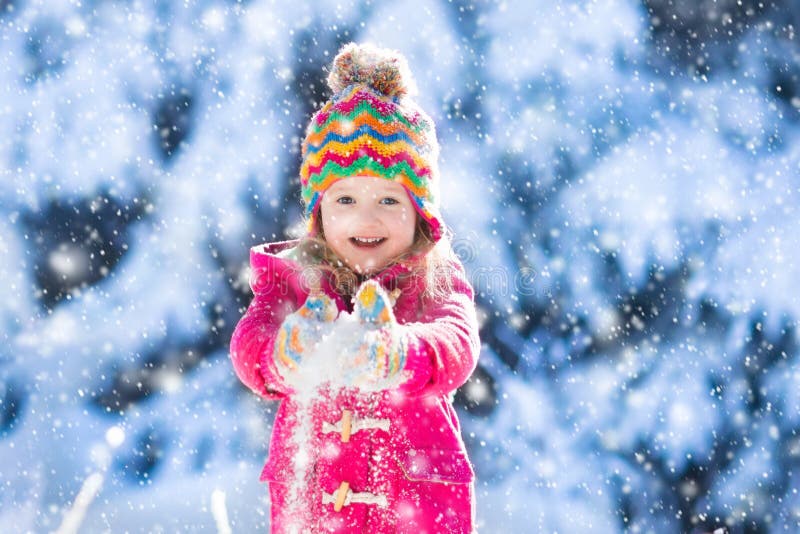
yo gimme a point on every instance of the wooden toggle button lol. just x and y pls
(341, 496)
(347, 425)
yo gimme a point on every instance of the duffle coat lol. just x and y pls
(402, 462)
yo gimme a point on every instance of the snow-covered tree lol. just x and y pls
(622, 179)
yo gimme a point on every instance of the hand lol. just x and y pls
(380, 354)
(300, 331)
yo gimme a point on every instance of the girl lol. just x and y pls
(374, 445)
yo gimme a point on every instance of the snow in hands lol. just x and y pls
(356, 349)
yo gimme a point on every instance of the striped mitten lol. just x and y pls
(381, 352)
(300, 331)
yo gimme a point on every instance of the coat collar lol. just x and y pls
(267, 262)
(266, 254)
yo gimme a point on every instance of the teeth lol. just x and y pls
(368, 239)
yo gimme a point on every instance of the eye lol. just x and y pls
(389, 199)
(344, 200)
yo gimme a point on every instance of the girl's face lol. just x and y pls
(367, 221)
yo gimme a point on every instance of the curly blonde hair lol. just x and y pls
(425, 258)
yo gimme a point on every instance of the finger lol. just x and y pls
(319, 307)
(330, 309)
(288, 347)
(372, 304)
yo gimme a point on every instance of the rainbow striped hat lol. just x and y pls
(371, 127)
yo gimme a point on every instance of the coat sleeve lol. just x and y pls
(444, 345)
(253, 338)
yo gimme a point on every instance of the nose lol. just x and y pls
(367, 217)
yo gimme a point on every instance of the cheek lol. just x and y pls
(335, 236)
(331, 221)
(405, 224)
(408, 215)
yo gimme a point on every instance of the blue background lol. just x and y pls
(622, 181)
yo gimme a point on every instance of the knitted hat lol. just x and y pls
(371, 127)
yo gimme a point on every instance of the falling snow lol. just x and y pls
(621, 179)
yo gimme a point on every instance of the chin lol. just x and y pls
(367, 270)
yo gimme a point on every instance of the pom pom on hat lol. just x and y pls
(384, 70)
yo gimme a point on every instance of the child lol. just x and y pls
(372, 309)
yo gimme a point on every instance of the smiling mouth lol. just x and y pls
(367, 242)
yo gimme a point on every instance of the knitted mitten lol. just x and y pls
(380, 353)
(301, 330)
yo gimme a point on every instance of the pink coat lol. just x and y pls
(414, 460)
